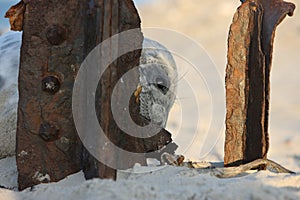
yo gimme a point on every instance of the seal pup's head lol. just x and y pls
(158, 76)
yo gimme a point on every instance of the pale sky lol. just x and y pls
(4, 6)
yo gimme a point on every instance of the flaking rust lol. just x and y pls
(53, 48)
(16, 16)
(250, 46)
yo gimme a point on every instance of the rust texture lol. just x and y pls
(250, 45)
(57, 36)
(16, 16)
(114, 16)
(118, 13)
(47, 143)
(55, 43)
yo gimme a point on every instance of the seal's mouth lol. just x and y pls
(158, 114)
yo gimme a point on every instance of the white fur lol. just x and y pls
(156, 62)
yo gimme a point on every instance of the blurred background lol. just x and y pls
(5, 5)
(207, 23)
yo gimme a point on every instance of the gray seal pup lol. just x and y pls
(158, 79)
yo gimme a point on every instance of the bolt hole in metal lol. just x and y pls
(48, 132)
(56, 34)
(50, 84)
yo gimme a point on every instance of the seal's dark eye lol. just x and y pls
(162, 85)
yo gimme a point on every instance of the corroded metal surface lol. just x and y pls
(16, 16)
(57, 36)
(250, 46)
(47, 143)
(113, 17)
(121, 20)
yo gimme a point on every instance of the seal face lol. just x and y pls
(158, 74)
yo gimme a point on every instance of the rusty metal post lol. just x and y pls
(122, 15)
(114, 16)
(57, 36)
(250, 45)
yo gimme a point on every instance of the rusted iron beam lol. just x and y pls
(114, 16)
(16, 16)
(122, 15)
(250, 46)
(48, 147)
(57, 36)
